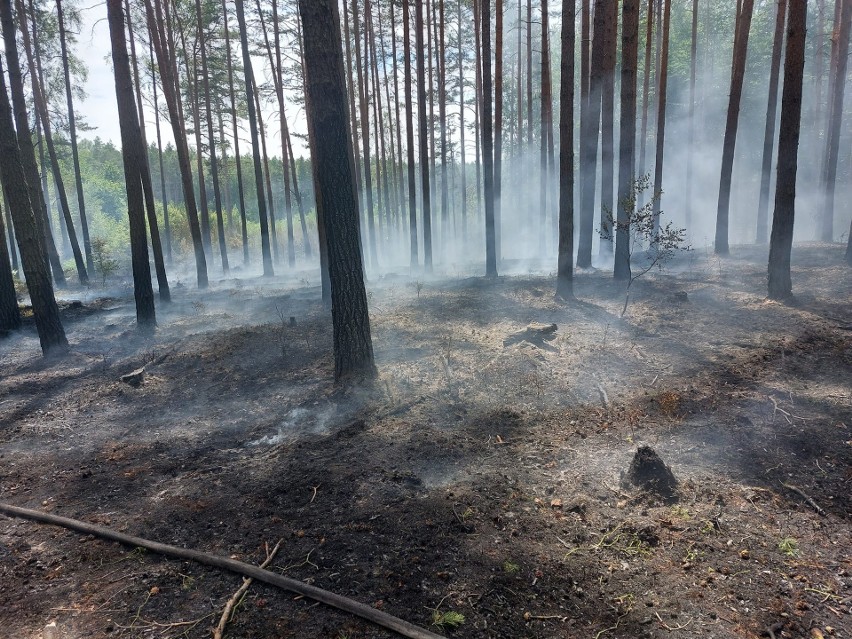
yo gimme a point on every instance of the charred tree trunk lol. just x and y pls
(131, 151)
(781, 242)
(255, 142)
(51, 334)
(607, 127)
(326, 87)
(423, 134)
(646, 87)
(72, 133)
(10, 314)
(409, 135)
(693, 50)
(769, 131)
(828, 176)
(488, 141)
(589, 140)
(627, 141)
(461, 129)
(565, 265)
(662, 93)
(732, 121)
(544, 105)
(442, 121)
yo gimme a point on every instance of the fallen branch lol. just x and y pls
(227, 613)
(810, 502)
(351, 606)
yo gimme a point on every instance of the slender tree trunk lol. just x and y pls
(409, 135)
(488, 142)
(163, 195)
(442, 118)
(519, 113)
(769, 131)
(589, 140)
(424, 135)
(627, 136)
(690, 155)
(241, 197)
(608, 205)
(30, 239)
(255, 142)
(278, 76)
(267, 173)
(828, 175)
(461, 129)
(529, 74)
(353, 350)
(43, 115)
(10, 236)
(72, 132)
(728, 146)
(661, 111)
(781, 242)
(131, 150)
(545, 102)
(10, 314)
(565, 265)
(166, 64)
(477, 119)
(646, 87)
(431, 57)
(399, 163)
(211, 141)
(353, 92)
(305, 239)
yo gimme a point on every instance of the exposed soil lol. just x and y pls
(473, 477)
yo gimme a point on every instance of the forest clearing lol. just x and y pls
(472, 477)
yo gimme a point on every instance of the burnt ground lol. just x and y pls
(473, 477)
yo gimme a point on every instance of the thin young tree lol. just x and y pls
(51, 333)
(488, 141)
(769, 131)
(627, 139)
(268, 270)
(828, 175)
(332, 152)
(781, 241)
(565, 266)
(72, 134)
(131, 151)
(731, 125)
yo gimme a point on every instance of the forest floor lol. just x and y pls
(474, 477)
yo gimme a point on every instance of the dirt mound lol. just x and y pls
(649, 472)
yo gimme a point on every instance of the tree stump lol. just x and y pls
(649, 472)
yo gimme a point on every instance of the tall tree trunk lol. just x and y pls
(131, 151)
(519, 112)
(44, 117)
(529, 74)
(241, 196)
(646, 87)
(545, 102)
(781, 242)
(461, 128)
(589, 140)
(163, 46)
(72, 132)
(488, 142)
(731, 123)
(565, 265)
(690, 155)
(353, 349)
(30, 238)
(627, 136)
(278, 77)
(769, 131)
(211, 141)
(353, 93)
(10, 236)
(255, 142)
(477, 119)
(423, 134)
(608, 205)
(498, 129)
(399, 163)
(409, 135)
(10, 314)
(442, 120)
(828, 176)
(267, 173)
(163, 195)
(661, 111)
(306, 241)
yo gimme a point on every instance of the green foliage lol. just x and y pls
(789, 546)
(449, 619)
(105, 265)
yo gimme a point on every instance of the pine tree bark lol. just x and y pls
(131, 151)
(10, 314)
(608, 205)
(268, 270)
(267, 174)
(565, 262)
(544, 107)
(442, 121)
(781, 241)
(731, 124)
(326, 89)
(423, 135)
(662, 93)
(646, 87)
(488, 141)
(769, 131)
(627, 136)
(589, 140)
(828, 177)
(44, 118)
(166, 65)
(163, 195)
(72, 133)
(409, 136)
(690, 155)
(30, 239)
(462, 106)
